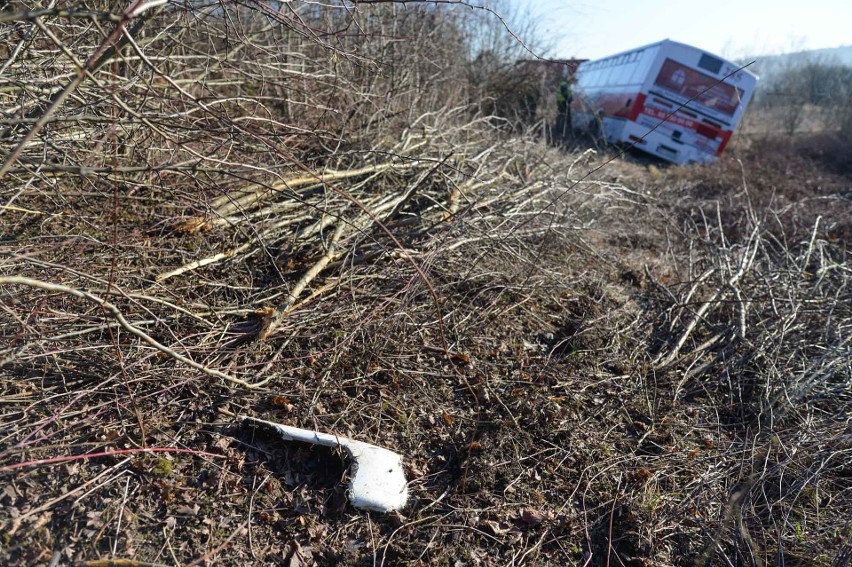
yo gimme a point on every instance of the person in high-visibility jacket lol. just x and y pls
(564, 96)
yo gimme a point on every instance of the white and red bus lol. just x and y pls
(671, 100)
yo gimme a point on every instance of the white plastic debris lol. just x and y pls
(378, 480)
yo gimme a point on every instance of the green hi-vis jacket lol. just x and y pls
(563, 93)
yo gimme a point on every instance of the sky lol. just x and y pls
(730, 28)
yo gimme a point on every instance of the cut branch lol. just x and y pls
(275, 319)
(126, 325)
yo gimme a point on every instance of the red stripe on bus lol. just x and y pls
(726, 137)
(638, 105)
(707, 131)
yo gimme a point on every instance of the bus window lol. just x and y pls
(709, 63)
(641, 68)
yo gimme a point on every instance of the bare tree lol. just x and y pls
(810, 90)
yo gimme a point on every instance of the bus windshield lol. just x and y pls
(692, 84)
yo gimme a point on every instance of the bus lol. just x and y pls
(669, 99)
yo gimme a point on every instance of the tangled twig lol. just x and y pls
(126, 325)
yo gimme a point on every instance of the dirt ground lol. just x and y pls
(536, 386)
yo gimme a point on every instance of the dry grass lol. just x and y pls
(648, 366)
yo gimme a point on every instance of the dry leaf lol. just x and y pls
(9, 491)
(267, 517)
(496, 528)
(281, 401)
(185, 510)
(532, 517)
(192, 225)
(300, 556)
(459, 358)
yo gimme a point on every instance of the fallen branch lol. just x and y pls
(714, 300)
(228, 205)
(204, 262)
(116, 313)
(277, 316)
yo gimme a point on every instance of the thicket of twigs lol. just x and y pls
(311, 213)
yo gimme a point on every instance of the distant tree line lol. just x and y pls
(810, 95)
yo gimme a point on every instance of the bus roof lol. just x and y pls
(670, 42)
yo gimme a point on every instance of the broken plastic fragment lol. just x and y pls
(378, 480)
